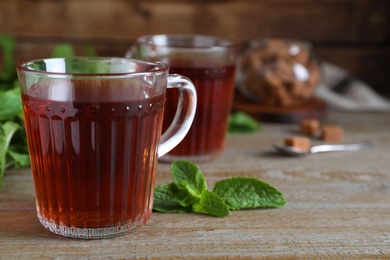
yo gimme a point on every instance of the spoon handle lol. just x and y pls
(339, 147)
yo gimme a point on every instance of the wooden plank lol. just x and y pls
(332, 21)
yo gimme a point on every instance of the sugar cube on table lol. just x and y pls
(299, 142)
(310, 127)
(332, 133)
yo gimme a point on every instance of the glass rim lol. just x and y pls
(223, 43)
(157, 67)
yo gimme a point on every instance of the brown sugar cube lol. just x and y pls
(332, 133)
(310, 127)
(300, 142)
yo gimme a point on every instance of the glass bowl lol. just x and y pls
(277, 72)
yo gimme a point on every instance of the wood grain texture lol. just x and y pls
(338, 207)
(333, 21)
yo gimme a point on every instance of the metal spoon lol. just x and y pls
(290, 150)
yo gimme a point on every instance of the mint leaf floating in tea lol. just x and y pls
(240, 122)
(188, 192)
(212, 204)
(246, 193)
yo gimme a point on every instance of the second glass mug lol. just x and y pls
(210, 63)
(94, 134)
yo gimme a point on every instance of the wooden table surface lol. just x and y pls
(338, 206)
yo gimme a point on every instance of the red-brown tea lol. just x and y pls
(93, 162)
(214, 85)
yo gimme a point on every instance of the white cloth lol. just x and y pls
(342, 91)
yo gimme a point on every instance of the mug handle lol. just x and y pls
(184, 115)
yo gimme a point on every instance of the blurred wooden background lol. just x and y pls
(354, 34)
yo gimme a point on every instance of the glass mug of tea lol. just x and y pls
(210, 63)
(94, 134)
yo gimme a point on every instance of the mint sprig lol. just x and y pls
(13, 144)
(189, 193)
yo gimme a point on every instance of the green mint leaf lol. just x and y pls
(244, 193)
(241, 122)
(63, 51)
(10, 105)
(212, 204)
(7, 44)
(7, 130)
(164, 199)
(187, 195)
(90, 51)
(188, 177)
(18, 155)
